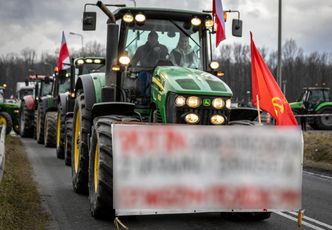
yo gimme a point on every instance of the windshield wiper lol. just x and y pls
(183, 31)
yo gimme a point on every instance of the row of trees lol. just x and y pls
(298, 69)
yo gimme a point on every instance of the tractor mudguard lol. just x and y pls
(113, 108)
(323, 105)
(85, 83)
(62, 100)
(29, 102)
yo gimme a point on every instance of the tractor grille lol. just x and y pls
(176, 114)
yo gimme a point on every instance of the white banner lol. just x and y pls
(207, 167)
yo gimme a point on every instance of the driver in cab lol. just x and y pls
(150, 53)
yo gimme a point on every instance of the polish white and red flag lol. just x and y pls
(63, 60)
(218, 14)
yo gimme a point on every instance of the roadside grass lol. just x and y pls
(20, 202)
(318, 149)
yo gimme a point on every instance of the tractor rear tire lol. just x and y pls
(324, 123)
(50, 129)
(80, 150)
(26, 121)
(60, 133)
(101, 156)
(35, 120)
(40, 124)
(68, 141)
(5, 119)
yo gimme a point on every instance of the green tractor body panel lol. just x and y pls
(323, 105)
(184, 81)
(296, 105)
(11, 108)
(98, 82)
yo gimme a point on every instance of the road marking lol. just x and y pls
(288, 216)
(318, 175)
(313, 220)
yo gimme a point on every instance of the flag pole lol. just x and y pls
(258, 110)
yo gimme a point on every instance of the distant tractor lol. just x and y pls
(66, 102)
(315, 102)
(8, 114)
(25, 94)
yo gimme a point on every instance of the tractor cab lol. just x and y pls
(313, 96)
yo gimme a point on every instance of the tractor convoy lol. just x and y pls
(141, 81)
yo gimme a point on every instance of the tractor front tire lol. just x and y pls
(6, 120)
(26, 121)
(40, 124)
(50, 129)
(80, 150)
(101, 166)
(60, 133)
(68, 140)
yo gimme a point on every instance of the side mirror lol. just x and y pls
(89, 20)
(237, 28)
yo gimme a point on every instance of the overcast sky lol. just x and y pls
(38, 24)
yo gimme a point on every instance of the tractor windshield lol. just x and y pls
(25, 92)
(46, 89)
(65, 86)
(164, 40)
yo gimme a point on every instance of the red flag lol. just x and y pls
(271, 98)
(218, 13)
(63, 60)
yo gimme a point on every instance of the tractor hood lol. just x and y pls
(182, 80)
(296, 105)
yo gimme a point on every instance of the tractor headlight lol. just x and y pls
(124, 60)
(191, 118)
(218, 103)
(214, 65)
(209, 23)
(195, 21)
(228, 103)
(194, 102)
(89, 61)
(97, 61)
(180, 101)
(217, 119)
(140, 17)
(80, 62)
(128, 18)
(16, 111)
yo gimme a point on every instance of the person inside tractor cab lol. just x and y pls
(183, 54)
(150, 53)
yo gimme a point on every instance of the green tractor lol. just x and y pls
(48, 109)
(315, 103)
(9, 114)
(66, 101)
(159, 90)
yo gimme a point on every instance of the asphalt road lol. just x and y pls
(71, 211)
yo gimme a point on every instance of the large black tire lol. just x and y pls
(69, 140)
(80, 150)
(50, 129)
(40, 124)
(5, 119)
(101, 155)
(26, 121)
(60, 133)
(324, 123)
